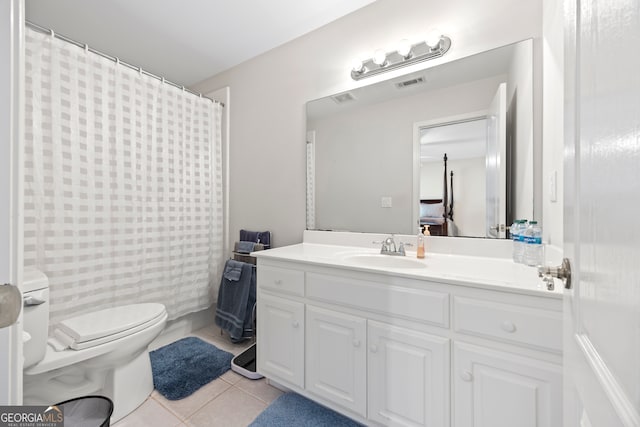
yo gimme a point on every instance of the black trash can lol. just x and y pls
(87, 411)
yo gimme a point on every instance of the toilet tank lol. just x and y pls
(35, 297)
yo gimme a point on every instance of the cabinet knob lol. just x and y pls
(295, 323)
(374, 348)
(356, 343)
(278, 282)
(466, 376)
(508, 326)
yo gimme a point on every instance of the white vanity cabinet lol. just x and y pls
(281, 321)
(498, 388)
(336, 358)
(281, 334)
(401, 351)
(408, 377)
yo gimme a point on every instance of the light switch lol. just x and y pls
(386, 202)
(553, 187)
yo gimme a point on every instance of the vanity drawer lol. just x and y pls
(407, 302)
(281, 280)
(519, 324)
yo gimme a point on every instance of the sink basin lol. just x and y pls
(385, 261)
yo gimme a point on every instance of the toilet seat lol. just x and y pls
(99, 327)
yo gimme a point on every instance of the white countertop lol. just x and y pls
(488, 272)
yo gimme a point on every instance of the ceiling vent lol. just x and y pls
(411, 82)
(341, 98)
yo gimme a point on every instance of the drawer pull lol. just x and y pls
(508, 326)
(374, 348)
(295, 323)
(466, 376)
(356, 343)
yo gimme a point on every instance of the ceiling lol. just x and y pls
(465, 140)
(186, 41)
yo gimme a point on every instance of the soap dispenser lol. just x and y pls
(420, 245)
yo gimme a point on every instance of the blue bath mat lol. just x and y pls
(291, 409)
(184, 366)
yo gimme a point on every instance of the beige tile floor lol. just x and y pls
(230, 400)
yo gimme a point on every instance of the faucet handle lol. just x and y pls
(384, 248)
(401, 246)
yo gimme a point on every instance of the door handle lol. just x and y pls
(562, 272)
(10, 305)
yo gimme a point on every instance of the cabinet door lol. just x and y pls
(497, 389)
(280, 330)
(336, 366)
(408, 377)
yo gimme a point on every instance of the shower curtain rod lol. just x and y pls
(114, 59)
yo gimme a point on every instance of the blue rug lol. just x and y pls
(184, 366)
(291, 409)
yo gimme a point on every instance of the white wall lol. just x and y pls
(269, 92)
(366, 153)
(520, 103)
(553, 111)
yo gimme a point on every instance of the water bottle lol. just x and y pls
(517, 234)
(514, 235)
(533, 251)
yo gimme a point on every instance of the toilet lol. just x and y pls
(98, 353)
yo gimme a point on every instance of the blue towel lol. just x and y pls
(246, 247)
(263, 237)
(235, 302)
(233, 270)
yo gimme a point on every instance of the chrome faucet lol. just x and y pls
(389, 247)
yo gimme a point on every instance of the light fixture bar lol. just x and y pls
(419, 52)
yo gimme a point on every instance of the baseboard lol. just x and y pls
(183, 326)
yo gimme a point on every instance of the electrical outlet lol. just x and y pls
(386, 202)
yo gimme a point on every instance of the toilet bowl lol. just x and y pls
(98, 353)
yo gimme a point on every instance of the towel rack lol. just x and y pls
(245, 362)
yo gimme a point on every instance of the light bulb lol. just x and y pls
(433, 39)
(380, 57)
(404, 48)
(357, 66)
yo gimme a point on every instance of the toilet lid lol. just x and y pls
(110, 321)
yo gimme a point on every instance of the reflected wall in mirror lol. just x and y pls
(368, 170)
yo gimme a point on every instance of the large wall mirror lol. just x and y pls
(449, 146)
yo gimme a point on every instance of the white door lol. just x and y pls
(11, 33)
(336, 364)
(601, 213)
(408, 377)
(496, 164)
(280, 349)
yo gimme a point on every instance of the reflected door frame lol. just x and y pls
(417, 127)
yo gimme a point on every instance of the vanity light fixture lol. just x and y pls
(434, 46)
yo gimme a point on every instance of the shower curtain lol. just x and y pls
(123, 184)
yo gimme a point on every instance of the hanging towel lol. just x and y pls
(245, 247)
(233, 270)
(235, 302)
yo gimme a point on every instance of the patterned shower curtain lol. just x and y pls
(123, 184)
